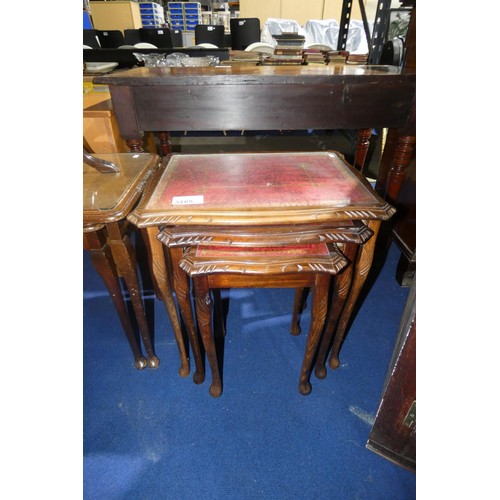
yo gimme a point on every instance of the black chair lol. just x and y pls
(177, 39)
(91, 39)
(209, 33)
(132, 36)
(244, 32)
(110, 39)
(161, 37)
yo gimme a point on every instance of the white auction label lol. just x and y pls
(188, 200)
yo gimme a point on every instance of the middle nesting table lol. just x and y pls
(261, 199)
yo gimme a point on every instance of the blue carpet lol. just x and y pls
(153, 435)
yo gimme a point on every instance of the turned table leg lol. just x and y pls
(124, 256)
(398, 153)
(362, 145)
(403, 154)
(165, 145)
(361, 270)
(102, 260)
(135, 145)
(163, 285)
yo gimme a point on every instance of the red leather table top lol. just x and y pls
(241, 188)
(258, 180)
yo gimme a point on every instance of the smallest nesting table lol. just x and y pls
(107, 200)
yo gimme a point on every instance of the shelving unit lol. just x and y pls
(175, 15)
(192, 14)
(184, 15)
(152, 15)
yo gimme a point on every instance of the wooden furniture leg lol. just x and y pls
(265, 267)
(349, 240)
(361, 270)
(398, 153)
(165, 145)
(219, 312)
(135, 145)
(299, 303)
(181, 288)
(341, 285)
(163, 285)
(403, 154)
(203, 304)
(124, 256)
(318, 315)
(362, 145)
(102, 260)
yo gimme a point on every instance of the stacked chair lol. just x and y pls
(209, 33)
(159, 37)
(244, 32)
(110, 39)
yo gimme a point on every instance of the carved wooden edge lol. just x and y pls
(141, 217)
(137, 215)
(331, 264)
(357, 232)
(129, 197)
(256, 217)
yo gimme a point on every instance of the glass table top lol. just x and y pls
(256, 180)
(257, 188)
(106, 191)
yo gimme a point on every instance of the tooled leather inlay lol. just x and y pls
(258, 180)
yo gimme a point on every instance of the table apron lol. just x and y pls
(261, 107)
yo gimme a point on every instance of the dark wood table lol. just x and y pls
(263, 199)
(247, 97)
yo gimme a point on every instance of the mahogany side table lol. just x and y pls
(107, 200)
(228, 196)
(215, 267)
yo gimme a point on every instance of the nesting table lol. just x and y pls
(109, 194)
(246, 97)
(256, 199)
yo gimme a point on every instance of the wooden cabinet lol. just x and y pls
(394, 431)
(115, 15)
(101, 133)
(100, 128)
